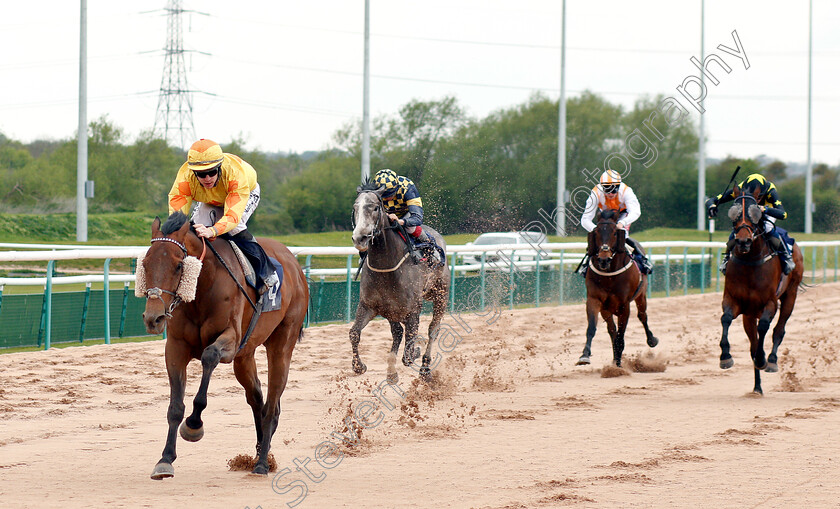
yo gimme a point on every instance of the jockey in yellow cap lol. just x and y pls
(612, 193)
(772, 207)
(227, 193)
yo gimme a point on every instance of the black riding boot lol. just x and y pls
(784, 255)
(256, 255)
(729, 245)
(639, 255)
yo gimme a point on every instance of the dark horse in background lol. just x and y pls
(613, 281)
(211, 327)
(392, 284)
(755, 287)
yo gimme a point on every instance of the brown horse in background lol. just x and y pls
(613, 281)
(211, 327)
(755, 287)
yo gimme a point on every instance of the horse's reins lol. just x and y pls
(605, 247)
(257, 311)
(376, 231)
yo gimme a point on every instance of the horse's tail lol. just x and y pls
(300, 335)
(803, 287)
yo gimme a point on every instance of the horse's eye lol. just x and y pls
(179, 266)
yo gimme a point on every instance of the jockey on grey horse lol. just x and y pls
(403, 204)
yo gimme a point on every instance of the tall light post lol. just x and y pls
(809, 171)
(701, 149)
(82, 153)
(561, 135)
(366, 100)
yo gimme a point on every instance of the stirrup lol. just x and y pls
(722, 267)
(788, 264)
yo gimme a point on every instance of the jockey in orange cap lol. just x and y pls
(611, 193)
(227, 193)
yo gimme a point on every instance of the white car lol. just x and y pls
(500, 258)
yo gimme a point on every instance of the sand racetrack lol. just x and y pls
(510, 421)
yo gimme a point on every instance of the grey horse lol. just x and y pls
(392, 284)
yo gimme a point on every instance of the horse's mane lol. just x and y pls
(173, 223)
(368, 185)
(608, 214)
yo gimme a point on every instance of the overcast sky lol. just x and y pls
(285, 75)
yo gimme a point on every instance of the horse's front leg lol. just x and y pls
(593, 306)
(397, 336)
(729, 314)
(192, 430)
(363, 316)
(764, 320)
(756, 350)
(177, 358)
(618, 336)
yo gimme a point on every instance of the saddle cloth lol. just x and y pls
(272, 299)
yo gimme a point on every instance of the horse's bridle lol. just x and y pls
(746, 221)
(376, 230)
(606, 247)
(155, 293)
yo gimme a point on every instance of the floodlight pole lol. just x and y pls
(701, 149)
(82, 148)
(366, 100)
(809, 170)
(561, 135)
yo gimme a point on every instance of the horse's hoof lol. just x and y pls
(727, 363)
(583, 361)
(260, 469)
(772, 367)
(392, 378)
(760, 368)
(162, 471)
(426, 374)
(189, 434)
(359, 367)
(652, 341)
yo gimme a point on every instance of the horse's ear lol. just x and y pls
(358, 189)
(185, 228)
(591, 247)
(379, 192)
(620, 238)
(156, 227)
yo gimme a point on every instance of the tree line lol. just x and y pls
(493, 173)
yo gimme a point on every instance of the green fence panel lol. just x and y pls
(20, 315)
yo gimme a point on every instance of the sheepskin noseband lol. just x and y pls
(186, 286)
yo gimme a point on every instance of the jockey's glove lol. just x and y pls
(711, 207)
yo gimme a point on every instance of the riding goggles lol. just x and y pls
(610, 188)
(207, 173)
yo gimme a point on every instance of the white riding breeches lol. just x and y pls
(208, 215)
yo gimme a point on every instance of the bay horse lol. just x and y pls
(392, 285)
(755, 287)
(205, 305)
(613, 281)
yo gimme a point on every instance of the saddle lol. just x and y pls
(272, 298)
